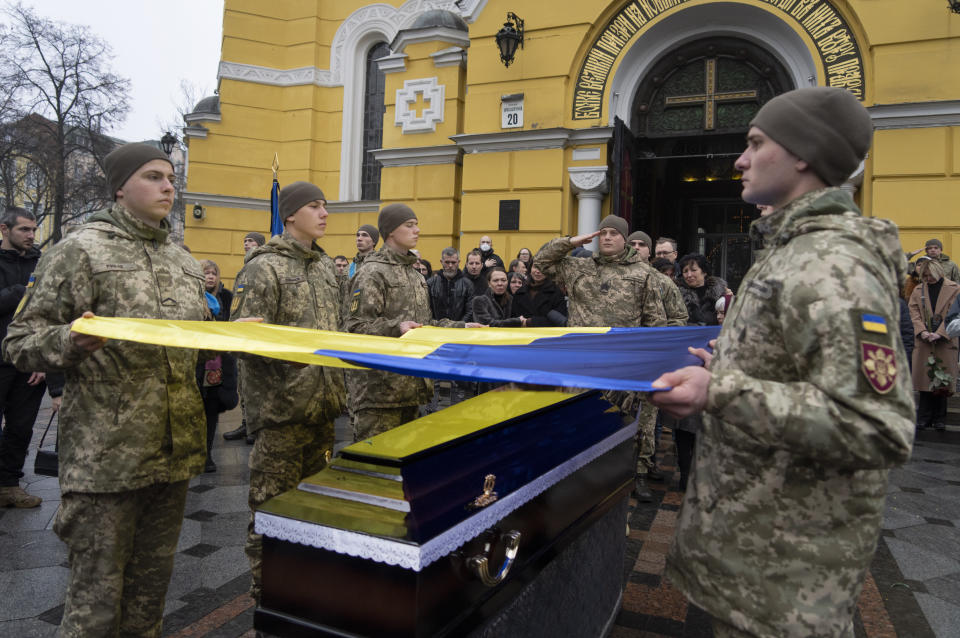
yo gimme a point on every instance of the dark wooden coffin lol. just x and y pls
(390, 539)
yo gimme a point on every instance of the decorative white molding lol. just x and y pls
(417, 557)
(916, 114)
(430, 34)
(227, 201)
(393, 63)
(470, 9)
(513, 141)
(190, 118)
(362, 206)
(274, 77)
(531, 140)
(711, 19)
(592, 135)
(418, 156)
(253, 203)
(589, 179)
(586, 154)
(195, 131)
(413, 91)
(454, 56)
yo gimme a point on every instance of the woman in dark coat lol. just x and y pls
(493, 308)
(540, 301)
(700, 294)
(700, 291)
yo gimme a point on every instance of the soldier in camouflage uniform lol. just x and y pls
(132, 422)
(389, 298)
(676, 311)
(807, 401)
(290, 281)
(617, 287)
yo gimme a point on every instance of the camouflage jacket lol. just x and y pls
(950, 270)
(386, 292)
(673, 304)
(288, 285)
(132, 414)
(617, 291)
(808, 408)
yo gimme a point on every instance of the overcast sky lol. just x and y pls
(156, 44)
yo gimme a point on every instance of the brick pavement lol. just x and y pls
(912, 590)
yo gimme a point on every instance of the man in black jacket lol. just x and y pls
(449, 289)
(20, 392)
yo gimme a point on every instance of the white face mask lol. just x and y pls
(484, 247)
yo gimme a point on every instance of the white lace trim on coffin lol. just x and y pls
(416, 557)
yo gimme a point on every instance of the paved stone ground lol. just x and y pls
(913, 588)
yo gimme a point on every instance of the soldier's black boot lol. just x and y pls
(237, 434)
(640, 489)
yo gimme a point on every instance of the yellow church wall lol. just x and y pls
(922, 151)
(916, 71)
(910, 49)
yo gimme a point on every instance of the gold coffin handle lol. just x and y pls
(480, 566)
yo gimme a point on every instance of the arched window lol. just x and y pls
(373, 110)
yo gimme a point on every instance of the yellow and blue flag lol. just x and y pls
(600, 358)
(873, 323)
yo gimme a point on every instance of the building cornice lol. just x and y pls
(454, 56)
(254, 203)
(431, 34)
(226, 201)
(418, 156)
(915, 114)
(195, 131)
(535, 140)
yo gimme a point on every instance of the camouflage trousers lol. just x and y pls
(121, 548)
(280, 459)
(368, 422)
(646, 439)
(636, 405)
(722, 629)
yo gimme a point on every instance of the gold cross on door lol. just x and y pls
(710, 97)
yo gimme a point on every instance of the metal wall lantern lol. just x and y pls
(954, 5)
(167, 142)
(511, 35)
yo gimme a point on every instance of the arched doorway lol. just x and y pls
(673, 173)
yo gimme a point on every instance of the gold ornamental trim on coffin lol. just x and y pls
(836, 45)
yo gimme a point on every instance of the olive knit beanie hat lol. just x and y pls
(642, 236)
(827, 127)
(257, 237)
(391, 216)
(619, 224)
(297, 195)
(370, 230)
(124, 161)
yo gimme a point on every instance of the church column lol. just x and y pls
(590, 184)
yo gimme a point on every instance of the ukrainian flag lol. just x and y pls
(601, 358)
(873, 323)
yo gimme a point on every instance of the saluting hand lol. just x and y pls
(581, 240)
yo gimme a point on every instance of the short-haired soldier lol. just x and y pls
(132, 427)
(289, 281)
(807, 401)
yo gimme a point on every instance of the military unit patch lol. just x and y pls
(879, 365)
(236, 299)
(873, 323)
(356, 300)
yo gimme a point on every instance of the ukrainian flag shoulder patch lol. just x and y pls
(873, 323)
(31, 281)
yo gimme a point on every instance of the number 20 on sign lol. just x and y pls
(511, 115)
